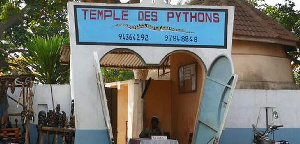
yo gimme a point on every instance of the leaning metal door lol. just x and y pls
(219, 85)
(102, 97)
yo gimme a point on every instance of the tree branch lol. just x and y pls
(12, 20)
(17, 50)
(4, 52)
(295, 60)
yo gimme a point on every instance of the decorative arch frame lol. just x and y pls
(90, 125)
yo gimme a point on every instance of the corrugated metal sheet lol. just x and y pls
(118, 59)
(122, 60)
(65, 55)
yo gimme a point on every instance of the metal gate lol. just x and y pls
(218, 89)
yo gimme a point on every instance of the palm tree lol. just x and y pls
(42, 59)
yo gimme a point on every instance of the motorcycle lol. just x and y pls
(262, 137)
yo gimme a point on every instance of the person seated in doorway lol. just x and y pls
(155, 129)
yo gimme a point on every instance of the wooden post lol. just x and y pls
(48, 142)
(42, 138)
(23, 92)
(27, 125)
(56, 138)
(64, 139)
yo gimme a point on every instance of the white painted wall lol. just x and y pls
(246, 104)
(130, 107)
(135, 108)
(42, 95)
(83, 76)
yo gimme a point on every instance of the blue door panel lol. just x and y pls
(221, 70)
(214, 102)
(205, 139)
(209, 104)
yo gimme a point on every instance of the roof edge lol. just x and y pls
(267, 40)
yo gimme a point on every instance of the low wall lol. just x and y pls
(248, 107)
(42, 100)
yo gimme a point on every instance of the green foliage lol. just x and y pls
(113, 75)
(48, 18)
(40, 18)
(7, 9)
(257, 3)
(286, 15)
(43, 59)
(3, 63)
(297, 76)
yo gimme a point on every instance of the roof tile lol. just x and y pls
(249, 21)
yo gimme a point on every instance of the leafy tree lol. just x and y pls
(43, 57)
(257, 3)
(286, 15)
(23, 19)
(297, 75)
(113, 75)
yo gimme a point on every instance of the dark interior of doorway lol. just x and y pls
(112, 104)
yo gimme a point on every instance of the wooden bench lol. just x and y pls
(11, 133)
(67, 134)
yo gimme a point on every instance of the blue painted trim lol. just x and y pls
(245, 135)
(91, 137)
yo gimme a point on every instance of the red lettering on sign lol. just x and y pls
(114, 16)
(124, 14)
(107, 13)
(92, 14)
(185, 16)
(100, 14)
(151, 15)
(147, 16)
(193, 17)
(154, 16)
(216, 18)
(84, 13)
(208, 17)
(201, 17)
(178, 15)
(140, 16)
(170, 15)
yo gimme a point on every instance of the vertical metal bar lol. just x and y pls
(102, 95)
(52, 96)
(23, 93)
(126, 135)
(267, 120)
(146, 88)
